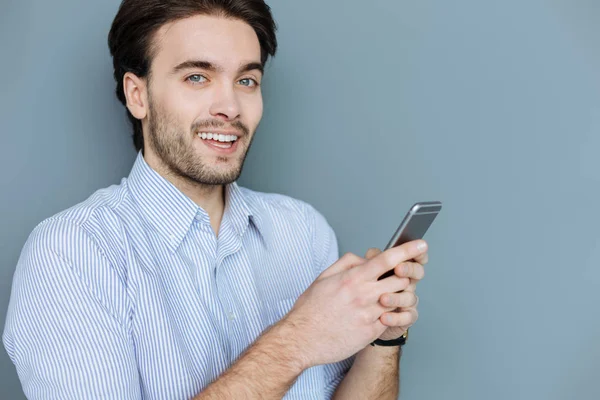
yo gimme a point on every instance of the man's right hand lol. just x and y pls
(338, 315)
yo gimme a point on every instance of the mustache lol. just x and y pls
(205, 125)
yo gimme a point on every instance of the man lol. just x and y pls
(178, 283)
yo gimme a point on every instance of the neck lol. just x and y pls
(210, 198)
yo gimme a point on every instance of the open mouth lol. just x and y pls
(219, 141)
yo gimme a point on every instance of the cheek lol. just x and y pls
(183, 108)
(253, 110)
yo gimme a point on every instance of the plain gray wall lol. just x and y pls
(491, 107)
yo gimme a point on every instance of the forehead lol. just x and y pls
(223, 41)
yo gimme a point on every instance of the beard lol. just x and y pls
(175, 150)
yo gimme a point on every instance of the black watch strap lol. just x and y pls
(394, 342)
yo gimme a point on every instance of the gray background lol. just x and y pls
(491, 107)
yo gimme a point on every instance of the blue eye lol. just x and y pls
(196, 78)
(248, 82)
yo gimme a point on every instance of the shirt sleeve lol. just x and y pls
(326, 253)
(66, 329)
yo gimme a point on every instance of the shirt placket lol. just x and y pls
(218, 298)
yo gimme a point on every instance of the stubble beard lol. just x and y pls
(177, 154)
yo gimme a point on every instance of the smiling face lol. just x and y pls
(204, 84)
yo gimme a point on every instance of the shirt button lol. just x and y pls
(231, 316)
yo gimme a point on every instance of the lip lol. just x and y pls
(219, 150)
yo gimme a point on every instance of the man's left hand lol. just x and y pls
(405, 303)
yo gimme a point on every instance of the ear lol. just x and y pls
(136, 94)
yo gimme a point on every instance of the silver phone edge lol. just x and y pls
(414, 210)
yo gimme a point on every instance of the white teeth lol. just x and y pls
(217, 136)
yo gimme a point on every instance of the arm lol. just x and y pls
(375, 374)
(67, 338)
(265, 371)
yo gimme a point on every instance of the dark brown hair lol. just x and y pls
(136, 22)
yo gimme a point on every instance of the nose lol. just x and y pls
(225, 103)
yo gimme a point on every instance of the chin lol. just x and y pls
(218, 176)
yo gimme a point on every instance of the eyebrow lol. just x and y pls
(200, 64)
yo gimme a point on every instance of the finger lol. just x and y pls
(414, 312)
(378, 309)
(372, 252)
(404, 319)
(392, 284)
(403, 300)
(412, 286)
(390, 258)
(423, 258)
(411, 270)
(346, 262)
(378, 329)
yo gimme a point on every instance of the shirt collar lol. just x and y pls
(171, 212)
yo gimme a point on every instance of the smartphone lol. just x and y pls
(414, 225)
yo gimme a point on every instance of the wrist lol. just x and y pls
(284, 334)
(386, 340)
(381, 351)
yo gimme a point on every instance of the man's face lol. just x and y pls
(204, 81)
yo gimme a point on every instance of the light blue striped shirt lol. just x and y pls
(130, 294)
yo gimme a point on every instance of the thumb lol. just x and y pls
(372, 252)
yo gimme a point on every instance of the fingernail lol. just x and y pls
(388, 319)
(422, 246)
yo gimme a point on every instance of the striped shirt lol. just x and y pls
(131, 295)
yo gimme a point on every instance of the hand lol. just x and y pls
(405, 313)
(339, 314)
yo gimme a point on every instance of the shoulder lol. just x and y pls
(82, 236)
(70, 253)
(96, 211)
(280, 212)
(281, 207)
(273, 201)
